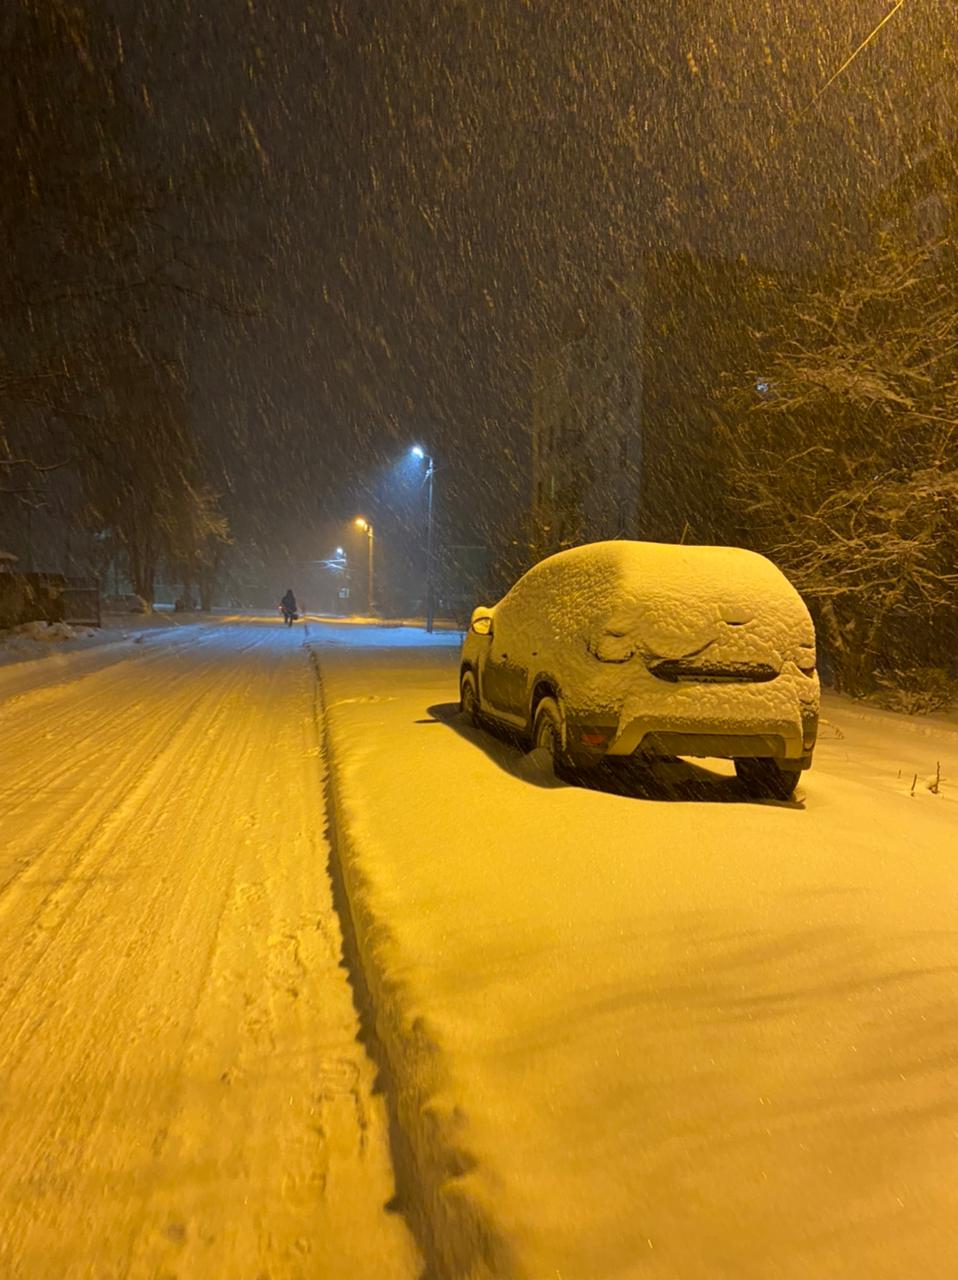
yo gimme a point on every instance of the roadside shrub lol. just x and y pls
(916, 691)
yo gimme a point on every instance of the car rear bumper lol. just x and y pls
(654, 735)
(766, 746)
(774, 742)
(776, 720)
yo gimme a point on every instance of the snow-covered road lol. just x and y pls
(182, 1092)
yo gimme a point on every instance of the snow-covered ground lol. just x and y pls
(365, 622)
(631, 1036)
(183, 1092)
(671, 1033)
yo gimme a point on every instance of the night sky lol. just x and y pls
(413, 197)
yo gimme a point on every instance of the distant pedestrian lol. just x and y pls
(289, 608)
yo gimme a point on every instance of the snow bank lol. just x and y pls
(449, 1215)
(669, 1039)
(46, 633)
(32, 639)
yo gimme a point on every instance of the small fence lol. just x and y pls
(81, 602)
(48, 597)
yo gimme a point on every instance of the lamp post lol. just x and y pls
(367, 528)
(419, 452)
(341, 566)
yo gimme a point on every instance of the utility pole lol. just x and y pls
(361, 523)
(419, 452)
(371, 601)
(430, 607)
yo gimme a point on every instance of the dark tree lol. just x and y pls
(842, 461)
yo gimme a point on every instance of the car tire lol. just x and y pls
(469, 698)
(548, 732)
(767, 779)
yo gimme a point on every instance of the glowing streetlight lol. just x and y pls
(419, 452)
(362, 523)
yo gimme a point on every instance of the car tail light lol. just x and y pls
(809, 727)
(805, 659)
(594, 735)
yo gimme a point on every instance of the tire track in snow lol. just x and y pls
(18, 717)
(129, 1153)
(93, 821)
(56, 915)
(42, 680)
(66, 768)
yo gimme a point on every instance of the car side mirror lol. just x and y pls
(481, 623)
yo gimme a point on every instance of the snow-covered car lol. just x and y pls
(642, 649)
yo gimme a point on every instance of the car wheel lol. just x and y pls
(469, 698)
(547, 732)
(767, 779)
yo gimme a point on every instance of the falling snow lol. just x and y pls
(387, 303)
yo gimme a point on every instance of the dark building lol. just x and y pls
(624, 410)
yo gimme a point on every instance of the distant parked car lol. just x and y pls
(640, 649)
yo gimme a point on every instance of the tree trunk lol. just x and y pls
(143, 574)
(142, 559)
(859, 657)
(833, 642)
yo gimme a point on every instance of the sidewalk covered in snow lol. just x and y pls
(678, 1037)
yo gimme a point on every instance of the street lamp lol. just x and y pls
(417, 451)
(361, 523)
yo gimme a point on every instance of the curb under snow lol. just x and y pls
(450, 1224)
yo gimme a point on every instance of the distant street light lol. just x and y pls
(361, 523)
(336, 562)
(417, 451)
(338, 566)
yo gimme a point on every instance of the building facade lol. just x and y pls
(624, 407)
(586, 425)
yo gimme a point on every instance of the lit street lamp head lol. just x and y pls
(417, 451)
(360, 523)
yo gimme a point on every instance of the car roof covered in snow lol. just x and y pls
(645, 567)
(666, 589)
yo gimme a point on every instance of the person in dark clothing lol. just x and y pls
(288, 606)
